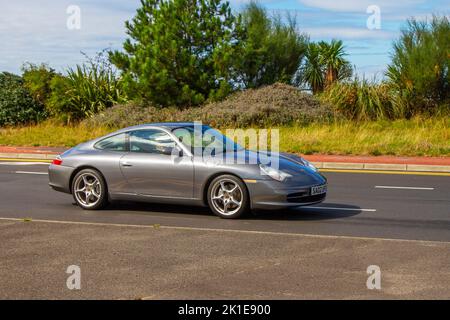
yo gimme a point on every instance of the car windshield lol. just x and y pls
(206, 138)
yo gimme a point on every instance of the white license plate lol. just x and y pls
(318, 189)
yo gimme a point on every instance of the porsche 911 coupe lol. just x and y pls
(162, 163)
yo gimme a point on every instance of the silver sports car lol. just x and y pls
(164, 162)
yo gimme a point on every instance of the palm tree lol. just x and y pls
(332, 57)
(324, 64)
(312, 71)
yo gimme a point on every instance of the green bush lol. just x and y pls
(37, 79)
(86, 90)
(419, 71)
(275, 105)
(17, 106)
(363, 100)
(271, 49)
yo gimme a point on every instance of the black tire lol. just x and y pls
(100, 190)
(235, 211)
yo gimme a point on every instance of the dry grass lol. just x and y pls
(416, 137)
(49, 134)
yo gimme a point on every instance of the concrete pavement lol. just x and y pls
(126, 262)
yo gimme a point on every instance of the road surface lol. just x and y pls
(400, 222)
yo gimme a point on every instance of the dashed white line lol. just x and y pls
(30, 172)
(344, 209)
(406, 188)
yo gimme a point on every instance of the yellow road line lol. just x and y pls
(25, 160)
(420, 173)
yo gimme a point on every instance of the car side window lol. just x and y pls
(114, 143)
(151, 141)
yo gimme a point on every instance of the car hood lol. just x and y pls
(289, 163)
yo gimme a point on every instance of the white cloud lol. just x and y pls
(33, 31)
(347, 33)
(360, 5)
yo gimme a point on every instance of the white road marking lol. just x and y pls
(407, 188)
(224, 230)
(31, 172)
(337, 208)
(23, 163)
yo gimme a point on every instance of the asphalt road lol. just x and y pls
(400, 223)
(359, 205)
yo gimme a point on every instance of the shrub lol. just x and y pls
(86, 90)
(37, 79)
(419, 70)
(275, 105)
(17, 106)
(271, 49)
(363, 100)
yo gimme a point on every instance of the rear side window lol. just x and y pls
(114, 143)
(151, 141)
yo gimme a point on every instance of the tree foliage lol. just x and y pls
(419, 70)
(332, 58)
(37, 79)
(17, 106)
(324, 65)
(178, 52)
(271, 49)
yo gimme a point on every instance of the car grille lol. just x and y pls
(304, 197)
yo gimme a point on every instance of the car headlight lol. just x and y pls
(309, 164)
(274, 173)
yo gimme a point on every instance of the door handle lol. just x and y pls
(126, 164)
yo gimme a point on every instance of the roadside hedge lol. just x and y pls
(17, 106)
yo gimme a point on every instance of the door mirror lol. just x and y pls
(172, 151)
(177, 151)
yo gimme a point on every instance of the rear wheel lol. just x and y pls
(228, 197)
(89, 189)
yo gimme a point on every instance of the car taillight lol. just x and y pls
(57, 161)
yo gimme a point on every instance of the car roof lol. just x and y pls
(165, 125)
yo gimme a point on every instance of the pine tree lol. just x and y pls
(179, 51)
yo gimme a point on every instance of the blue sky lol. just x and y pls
(36, 31)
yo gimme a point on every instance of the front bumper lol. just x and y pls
(59, 177)
(267, 194)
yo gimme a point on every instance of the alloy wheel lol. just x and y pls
(226, 197)
(88, 189)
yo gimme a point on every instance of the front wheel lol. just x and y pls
(228, 197)
(89, 189)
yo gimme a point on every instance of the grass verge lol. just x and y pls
(50, 135)
(416, 137)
